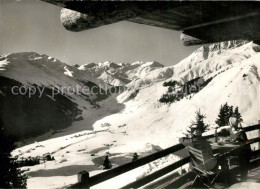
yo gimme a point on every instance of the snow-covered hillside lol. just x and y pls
(235, 73)
(138, 122)
(39, 93)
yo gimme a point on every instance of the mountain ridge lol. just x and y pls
(40, 87)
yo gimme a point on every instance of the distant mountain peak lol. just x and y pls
(118, 74)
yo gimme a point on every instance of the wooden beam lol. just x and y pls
(132, 165)
(247, 28)
(181, 180)
(224, 20)
(147, 21)
(157, 174)
(163, 182)
(251, 128)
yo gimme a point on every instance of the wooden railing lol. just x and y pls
(86, 182)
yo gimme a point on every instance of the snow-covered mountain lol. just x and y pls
(138, 122)
(39, 93)
(120, 74)
(235, 79)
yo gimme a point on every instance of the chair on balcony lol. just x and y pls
(205, 167)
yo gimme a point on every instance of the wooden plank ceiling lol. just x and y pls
(208, 21)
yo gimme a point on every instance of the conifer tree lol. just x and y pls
(221, 117)
(237, 114)
(135, 157)
(106, 163)
(10, 174)
(230, 112)
(199, 123)
(226, 113)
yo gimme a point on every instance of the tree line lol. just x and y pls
(177, 91)
(225, 112)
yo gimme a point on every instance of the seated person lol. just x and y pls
(198, 142)
(237, 134)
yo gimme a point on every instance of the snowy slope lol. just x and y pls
(206, 60)
(138, 122)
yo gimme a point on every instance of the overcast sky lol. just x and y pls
(31, 25)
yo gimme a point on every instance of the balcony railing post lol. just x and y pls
(181, 171)
(83, 179)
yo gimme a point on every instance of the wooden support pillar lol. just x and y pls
(83, 179)
(256, 46)
(258, 135)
